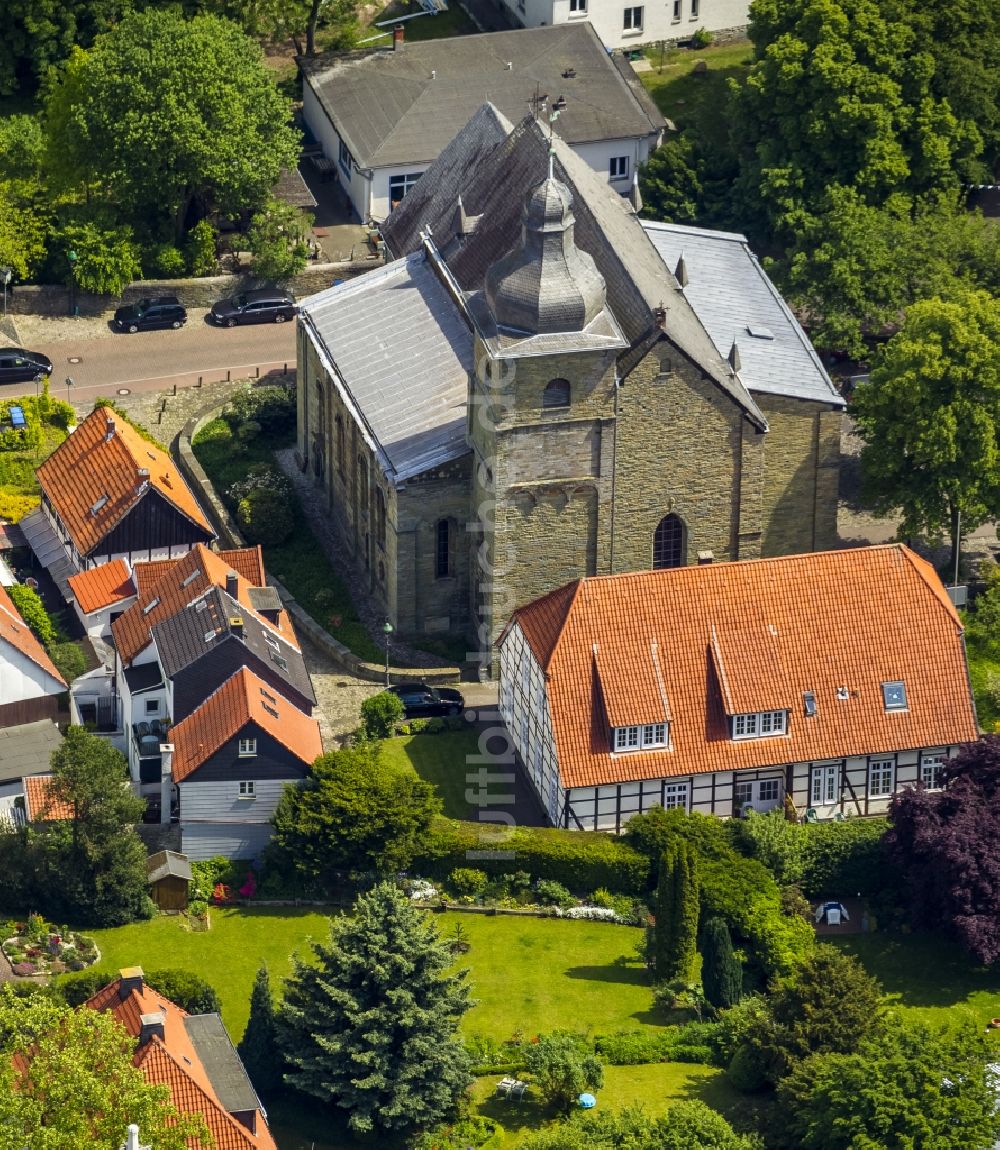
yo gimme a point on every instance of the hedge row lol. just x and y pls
(583, 863)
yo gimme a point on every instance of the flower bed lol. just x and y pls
(39, 947)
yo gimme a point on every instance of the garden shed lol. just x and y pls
(168, 874)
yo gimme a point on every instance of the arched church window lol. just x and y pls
(556, 393)
(669, 542)
(340, 446)
(379, 517)
(362, 486)
(442, 558)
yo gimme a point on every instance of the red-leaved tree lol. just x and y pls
(946, 843)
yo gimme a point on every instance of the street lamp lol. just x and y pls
(69, 383)
(6, 275)
(387, 629)
(71, 256)
(39, 378)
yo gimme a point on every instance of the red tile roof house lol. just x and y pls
(29, 681)
(107, 493)
(836, 678)
(231, 759)
(194, 1057)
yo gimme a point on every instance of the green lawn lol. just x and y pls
(691, 100)
(441, 760)
(929, 977)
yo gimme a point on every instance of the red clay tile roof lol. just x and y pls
(752, 636)
(248, 562)
(180, 583)
(174, 1062)
(15, 631)
(91, 466)
(42, 805)
(243, 698)
(102, 585)
(148, 573)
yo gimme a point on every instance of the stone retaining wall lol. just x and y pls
(53, 299)
(229, 534)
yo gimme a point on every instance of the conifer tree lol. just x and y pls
(371, 1024)
(258, 1046)
(678, 905)
(721, 971)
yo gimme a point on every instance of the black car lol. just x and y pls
(20, 366)
(264, 305)
(419, 700)
(161, 311)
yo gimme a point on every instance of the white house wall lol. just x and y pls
(524, 708)
(599, 155)
(357, 186)
(21, 679)
(659, 20)
(98, 623)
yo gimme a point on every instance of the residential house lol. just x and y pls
(100, 594)
(25, 750)
(108, 493)
(540, 388)
(30, 685)
(631, 26)
(193, 1056)
(231, 759)
(833, 679)
(383, 117)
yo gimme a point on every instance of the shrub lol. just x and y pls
(552, 893)
(199, 249)
(635, 1048)
(32, 609)
(69, 660)
(272, 407)
(779, 844)
(75, 989)
(264, 517)
(380, 713)
(163, 261)
(198, 908)
(701, 38)
(602, 897)
(189, 991)
(467, 881)
(206, 873)
(277, 239)
(747, 1072)
(248, 432)
(216, 431)
(580, 862)
(847, 856)
(15, 507)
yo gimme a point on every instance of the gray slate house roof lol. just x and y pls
(27, 749)
(404, 107)
(208, 622)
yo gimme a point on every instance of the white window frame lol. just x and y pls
(676, 795)
(405, 180)
(931, 766)
(618, 168)
(695, 9)
(677, 11)
(632, 18)
(775, 784)
(152, 706)
(642, 737)
(881, 777)
(248, 748)
(248, 789)
(824, 785)
(759, 724)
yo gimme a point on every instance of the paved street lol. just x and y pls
(156, 360)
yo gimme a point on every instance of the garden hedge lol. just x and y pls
(581, 862)
(845, 858)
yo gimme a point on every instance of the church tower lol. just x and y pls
(541, 415)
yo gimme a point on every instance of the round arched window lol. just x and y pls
(668, 542)
(556, 393)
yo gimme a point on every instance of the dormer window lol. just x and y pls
(153, 603)
(640, 738)
(759, 724)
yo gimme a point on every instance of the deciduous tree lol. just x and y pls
(930, 418)
(370, 1023)
(277, 239)
(945, 842)
(74, 1084)
(562, 1068)
(353, 813)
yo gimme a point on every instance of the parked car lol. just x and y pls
(20, 366)
(264, 305)
(420, 700)
(160, 311)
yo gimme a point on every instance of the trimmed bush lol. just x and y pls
(845, 857)
(552, 893)
(380, 713)
(69, 660)
(467, 881)
(272, 407)
(580, 862)
(163, 261)
(199, 249)
(33, 612)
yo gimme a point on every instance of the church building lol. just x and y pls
(541, 386)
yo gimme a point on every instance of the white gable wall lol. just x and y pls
(21, 679)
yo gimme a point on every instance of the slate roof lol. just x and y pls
(401, 347)
(101, 466)
(389, 109)
(207, 622)
(734, 298)
(175, 1062)
(142, 677)
(178, 585)
(15, 632)
(243, 699)
(27, 749)
(500, 178)
(102, 585)
(751, 636)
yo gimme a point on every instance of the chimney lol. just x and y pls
(398, 36)
(705, 557)
(150, 1024)
(232, 584)
(236, 625)
(131, 979)
(166, 780)
(109, 428)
